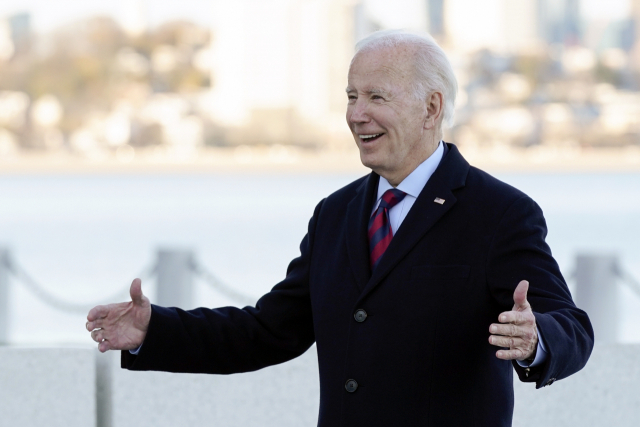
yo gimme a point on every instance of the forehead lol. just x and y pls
(382, 68)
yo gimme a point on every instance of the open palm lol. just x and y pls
(121, 326)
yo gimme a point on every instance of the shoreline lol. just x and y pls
(292, 160)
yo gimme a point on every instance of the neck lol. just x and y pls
(413, 162)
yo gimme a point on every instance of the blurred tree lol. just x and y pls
(91, 65)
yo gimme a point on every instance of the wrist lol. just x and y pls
(532, 357)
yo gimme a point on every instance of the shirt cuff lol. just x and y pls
(135, 351)
(541, 354)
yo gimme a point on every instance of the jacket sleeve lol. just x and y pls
(518, 251)
(229, 339)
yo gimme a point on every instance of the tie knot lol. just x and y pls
(390, 198)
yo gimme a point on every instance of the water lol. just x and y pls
(86, 237)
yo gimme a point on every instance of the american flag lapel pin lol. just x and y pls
(439, 200)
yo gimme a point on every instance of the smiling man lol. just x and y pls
(411, 280)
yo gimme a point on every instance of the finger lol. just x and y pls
(508, 342)
(98, 335)
(516, 354)
(104, 346)
(520, 296)
(516, 317)
(96, 324)
(98, 312)
(507, 330)
(136, 291)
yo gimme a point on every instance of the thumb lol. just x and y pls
(520, 296)
(136, 291)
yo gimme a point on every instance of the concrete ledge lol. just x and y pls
(47, 387)
(605, 393)
(283, 395)
(67, 388)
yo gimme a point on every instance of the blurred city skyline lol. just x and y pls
(140, 80)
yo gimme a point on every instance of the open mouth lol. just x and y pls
(370, 138)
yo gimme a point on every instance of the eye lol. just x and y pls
(352, 98)
(377, 98)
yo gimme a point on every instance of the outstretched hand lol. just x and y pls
(517, 328)
(121, 326)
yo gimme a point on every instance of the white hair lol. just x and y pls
(434, 72)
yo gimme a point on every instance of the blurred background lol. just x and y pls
(129, 129)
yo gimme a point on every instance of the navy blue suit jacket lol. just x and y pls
(421, 357)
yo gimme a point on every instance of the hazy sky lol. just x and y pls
(47, 14)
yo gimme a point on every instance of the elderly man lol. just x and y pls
(408, 278)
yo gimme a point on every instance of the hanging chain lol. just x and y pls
(219, 286)
(47, 297)
(628, 279)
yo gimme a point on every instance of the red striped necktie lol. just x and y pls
(380, 233)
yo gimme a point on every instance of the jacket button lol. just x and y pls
(551, 381)
(360, 316)
(351, 386)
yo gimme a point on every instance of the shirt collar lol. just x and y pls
(415, 182)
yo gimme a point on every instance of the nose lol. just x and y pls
(357, 112)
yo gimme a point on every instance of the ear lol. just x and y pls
(435, 107)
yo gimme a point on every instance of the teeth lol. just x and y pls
(369, 136)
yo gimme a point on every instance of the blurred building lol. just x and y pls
(558, 20)
(504, 26)
(364, 23)
(279, 69)
(435, 18)
(7, 48)
(20, 25)
(635, 34)
(134, 17)
(571, 28)
(15, 35)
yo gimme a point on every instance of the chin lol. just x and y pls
(373, 157)
(369, 161)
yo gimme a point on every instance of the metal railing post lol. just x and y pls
(104, 388)
(4, 295)
(597, 293)
(175, 278)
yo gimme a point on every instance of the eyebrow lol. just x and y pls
(369, 91)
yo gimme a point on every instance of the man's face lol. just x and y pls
(386, 120)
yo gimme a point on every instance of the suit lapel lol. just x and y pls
(425, 213)
(358, 213)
